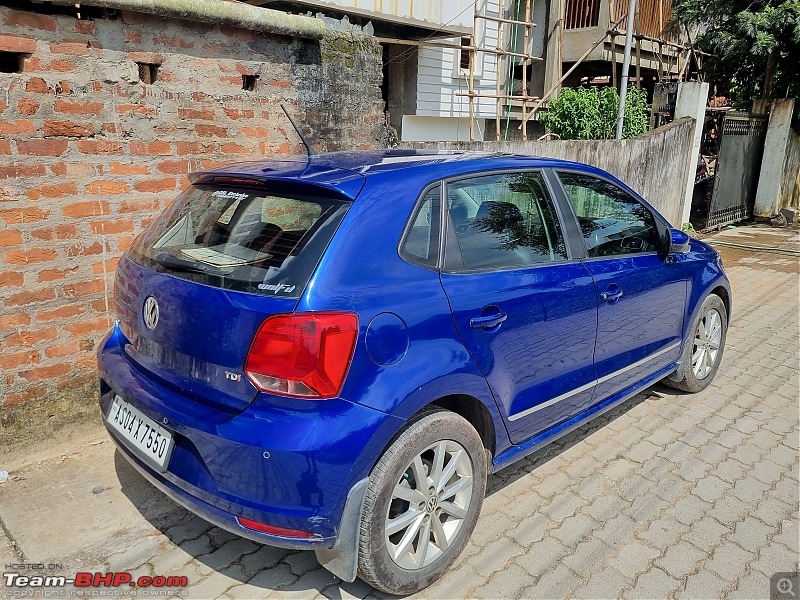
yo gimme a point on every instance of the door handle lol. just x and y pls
(612, 294)
(487, 322)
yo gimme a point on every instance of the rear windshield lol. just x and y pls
(241, 239)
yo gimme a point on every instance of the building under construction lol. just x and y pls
(484, 69)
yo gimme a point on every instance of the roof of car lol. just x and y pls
(345, 172)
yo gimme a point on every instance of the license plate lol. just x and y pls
(151, 442)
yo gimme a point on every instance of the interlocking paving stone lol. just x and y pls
(653, 584)
(751, 534)
(603, 584)
(663, 532)
(680, 560)
(557, 583)
(702, 585)
(634, 558)
(507, 583)
(728, 560)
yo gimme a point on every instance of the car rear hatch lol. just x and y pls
(194, 288)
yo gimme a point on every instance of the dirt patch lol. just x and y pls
(63, 414)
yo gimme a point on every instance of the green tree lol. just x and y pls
(755, 45)
(591, 113)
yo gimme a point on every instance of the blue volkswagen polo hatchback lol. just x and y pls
(333, 353)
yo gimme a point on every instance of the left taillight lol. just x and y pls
(303, 354)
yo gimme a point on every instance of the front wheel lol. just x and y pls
(423, 500)
(702, 360)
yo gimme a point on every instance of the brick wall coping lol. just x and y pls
(231, 14)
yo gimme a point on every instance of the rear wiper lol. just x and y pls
(173, 263)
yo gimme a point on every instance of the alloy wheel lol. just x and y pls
(429, 504)
(707, 340)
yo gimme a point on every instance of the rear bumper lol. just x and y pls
(214, 515)
(283, 462)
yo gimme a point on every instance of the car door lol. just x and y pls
(641, 297)
(525, 310)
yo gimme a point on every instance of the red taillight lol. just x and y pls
(303, 354)
(272, 530)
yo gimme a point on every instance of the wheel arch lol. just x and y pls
(470, 408)
(475, 413)
(725, 296)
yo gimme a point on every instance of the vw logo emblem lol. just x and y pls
(432, 504)
(150, 312)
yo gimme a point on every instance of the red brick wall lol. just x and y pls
(89, 154)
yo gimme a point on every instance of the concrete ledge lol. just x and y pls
(231, 14)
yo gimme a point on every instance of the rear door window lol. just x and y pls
(241, 239)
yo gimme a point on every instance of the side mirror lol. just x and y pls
(679, 242)
(664, 239)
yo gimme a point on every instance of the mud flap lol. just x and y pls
(342, 558)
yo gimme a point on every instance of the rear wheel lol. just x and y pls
(423, 500)
(701, 361)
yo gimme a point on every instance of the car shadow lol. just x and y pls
(267, 567)
(533, 461)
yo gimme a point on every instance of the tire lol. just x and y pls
(399, 512)
(702, 359)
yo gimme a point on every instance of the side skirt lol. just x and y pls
(515, 453)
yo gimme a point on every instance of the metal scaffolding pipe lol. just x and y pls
(626, 65)
(231, 14)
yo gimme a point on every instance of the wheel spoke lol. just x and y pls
(712, 320)
(714, 345)
(709, 362)
(408, 538)
(454, 510)
(439, 534)
(421, 479)
(451, 490)
(713, 353)
(697, 363)
(423, 544)
(698, 354)
(701, 367)
(438, 463)
(449, 471)
(403, 521)
(406, 493)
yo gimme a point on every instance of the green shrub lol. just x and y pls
(591, 113)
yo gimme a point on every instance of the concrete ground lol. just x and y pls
(669, 495)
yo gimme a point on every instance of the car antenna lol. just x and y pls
(309, 149)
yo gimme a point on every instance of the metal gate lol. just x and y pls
(737, 169)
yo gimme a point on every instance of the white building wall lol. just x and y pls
(440, 129)
(440, 79)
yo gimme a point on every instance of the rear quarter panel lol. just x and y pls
(362, 272)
